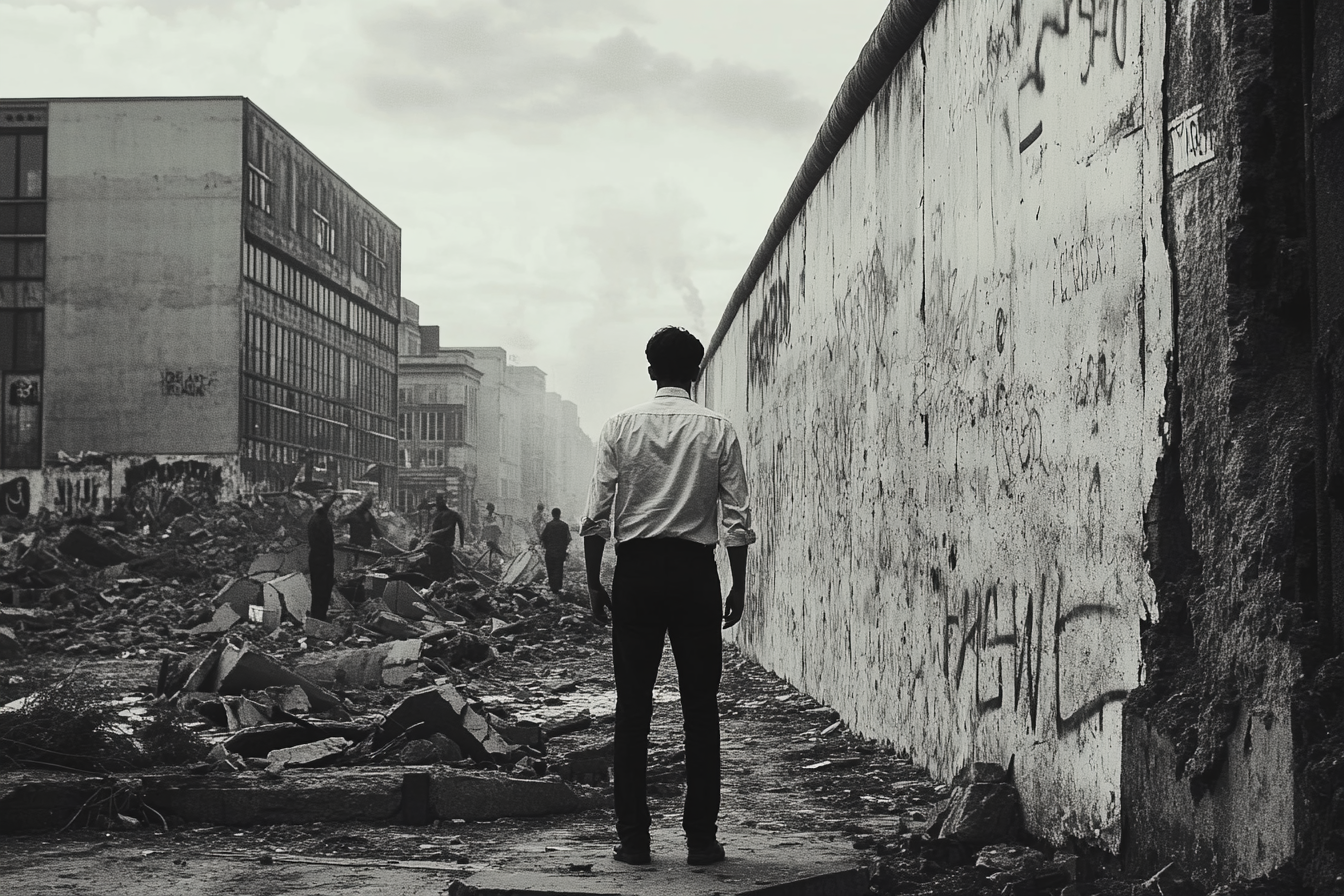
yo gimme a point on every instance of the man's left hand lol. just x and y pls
(734, 605)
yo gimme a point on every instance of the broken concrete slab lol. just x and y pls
(387, 623)
(322, 630)
(239, 594)
(522, 569)
(983, 814)
(292, 593)
(94, 548)
(442, 709)
(485, 796)
(388, 665)
(28, 617)
(226, 617)
(295, 561)
(318, 752)
(264, 563)
(255, 743)
(521, 732)
(35, 800)
(239, 669)
(241, 712)
(404, 600)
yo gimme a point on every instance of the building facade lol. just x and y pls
(183, 283)
(438, 427)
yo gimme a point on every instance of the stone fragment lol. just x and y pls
(295, 561)
(983, 814)
(561, 727)
(239, 594)
(521, 732)
(244, 713)
(266, 563)
(254, 743)
(522, 569)
(390, 624)
(442, 709)
(29, 617)
(308, 755)
(1016, 861)
(402, 599)
(419, 752)
(224, 618)
(484, 796)
(445, 748)
(93, 547)
(322, 630)
(292, 595)
(239, 669)
(402, 661)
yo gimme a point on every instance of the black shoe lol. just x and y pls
(705, 855)
(631, 855)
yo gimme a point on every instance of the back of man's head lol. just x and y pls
(674, 355)
(555, 512)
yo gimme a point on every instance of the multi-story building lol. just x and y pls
(529, 385)
(181, 279)
(438, 425)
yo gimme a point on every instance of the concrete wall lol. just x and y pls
(143, 275)
(948, 383)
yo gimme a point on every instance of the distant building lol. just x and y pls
(483, 430)
(438, 426)
(181, 280)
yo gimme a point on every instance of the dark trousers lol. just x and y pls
(323, 578)
(666, 588)
(555, 570)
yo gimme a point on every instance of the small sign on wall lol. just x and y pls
(1192, 143)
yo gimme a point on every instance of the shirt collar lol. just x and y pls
(673, 392)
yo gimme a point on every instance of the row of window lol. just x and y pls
(449, 425)
(23, 176)
(279, 276)
(290, 314)
(269, 424)
(298, 360)
(312, 207)
(431, 457)
(284, 396)
(23, 165)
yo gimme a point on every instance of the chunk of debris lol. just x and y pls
(983, 814)
(308, 755)
(236, 668)
(292, 593)
(94, 548)
(239, 594)
(442, 709)
(226, 616)
(322, 630)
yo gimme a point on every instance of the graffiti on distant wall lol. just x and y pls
(151, 485)
(80, 492)
(187, 383)
(17, 497)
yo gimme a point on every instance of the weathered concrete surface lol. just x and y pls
(756, 863)
(145, 227)
(948, 383)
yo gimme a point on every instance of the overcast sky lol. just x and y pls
(568, 175)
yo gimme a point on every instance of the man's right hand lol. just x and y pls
(600, 601)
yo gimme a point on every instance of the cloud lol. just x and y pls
(500, 67)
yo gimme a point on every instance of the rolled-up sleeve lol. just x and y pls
(602, 492)
(735, 507)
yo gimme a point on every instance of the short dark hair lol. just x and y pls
(555, 512)
(675, 354)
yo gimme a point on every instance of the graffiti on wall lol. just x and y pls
(17, 497)
(187, 383)
(151, 485)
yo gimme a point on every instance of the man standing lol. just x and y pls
(438, 544)
(539, 520)
(321, 557)
(662, 470)
(555, 540)
(363, 524)
(491, 533)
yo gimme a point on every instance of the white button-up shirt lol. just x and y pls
(663, 469)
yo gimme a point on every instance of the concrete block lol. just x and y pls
(391, 624)
(244, 713)
(273, 608)
(404, 600)
(308, 755)
(226, 617)
(402, 661)
(295, 561)
(484, 796)
(266, 563)
(241, 669)
(255, 743)
(294, 594)
(322, 630)
(442, 709)
(522, 569)
(239, 594)
(983, 814)
(93, 547)
(526, 733)
(252, 798)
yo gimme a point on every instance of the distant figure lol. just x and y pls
(555, 539)
(438, 544)
(321, 557)
(363, 524)
(491, 533)
(539, 520)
